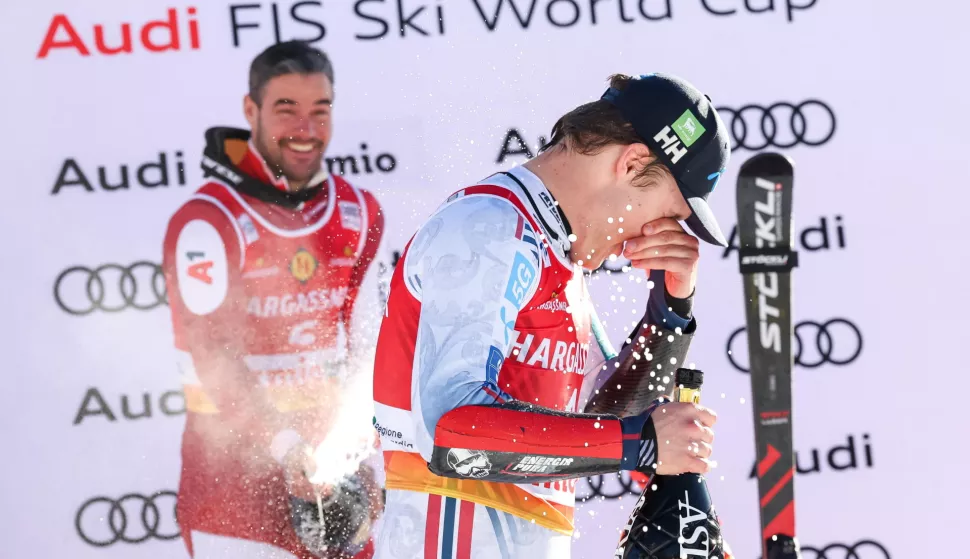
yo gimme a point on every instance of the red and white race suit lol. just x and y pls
(264, 307)
(487, 318)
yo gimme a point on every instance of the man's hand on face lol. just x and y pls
(665, 245)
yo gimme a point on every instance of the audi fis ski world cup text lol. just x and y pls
(177, 29)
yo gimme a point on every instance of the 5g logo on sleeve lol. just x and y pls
(521, 278)
(523, 274)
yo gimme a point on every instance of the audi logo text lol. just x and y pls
(780, 125)
(836, 341)
(132, 518)
(80, 290)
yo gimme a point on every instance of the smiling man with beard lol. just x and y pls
(290, 141)
(273, 312)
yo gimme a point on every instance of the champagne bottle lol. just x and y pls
(674, 517)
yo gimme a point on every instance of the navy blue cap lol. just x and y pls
(681, 127)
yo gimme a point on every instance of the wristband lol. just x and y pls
(648, 448)
(680, 307)
(640, 441)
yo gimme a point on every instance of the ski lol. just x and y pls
(766, 258)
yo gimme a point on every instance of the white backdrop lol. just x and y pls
(887, 184)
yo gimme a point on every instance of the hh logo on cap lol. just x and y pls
(686, 130)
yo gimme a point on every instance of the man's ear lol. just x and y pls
(633, 158)
(251, 111)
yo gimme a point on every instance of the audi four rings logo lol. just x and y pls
(837, 341)
(132, 518)
(780, 125)
(607, 487)
(865, 549)
(80, 290)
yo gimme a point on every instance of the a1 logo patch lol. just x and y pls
(201, 266)
(200, 270)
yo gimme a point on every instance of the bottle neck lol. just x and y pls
(692, 395)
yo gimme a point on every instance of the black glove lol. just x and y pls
(345, 526)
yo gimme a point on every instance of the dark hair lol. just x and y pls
(291, 57)
(591, 127)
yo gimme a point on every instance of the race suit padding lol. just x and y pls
(516, 442)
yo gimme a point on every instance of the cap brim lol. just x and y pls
(703, 224)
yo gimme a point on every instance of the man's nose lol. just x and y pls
(306, 125)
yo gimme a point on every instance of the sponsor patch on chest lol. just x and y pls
(303, 265)
(248, 228)
(348, 258)
(290, 304)
(554, 305)
(546, 353)
(350, 216)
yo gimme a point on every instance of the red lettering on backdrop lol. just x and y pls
(105, 49)
(193, 30)
(171, 25)
(156, 36)
(74, 40)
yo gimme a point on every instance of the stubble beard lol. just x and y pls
(275, 162)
